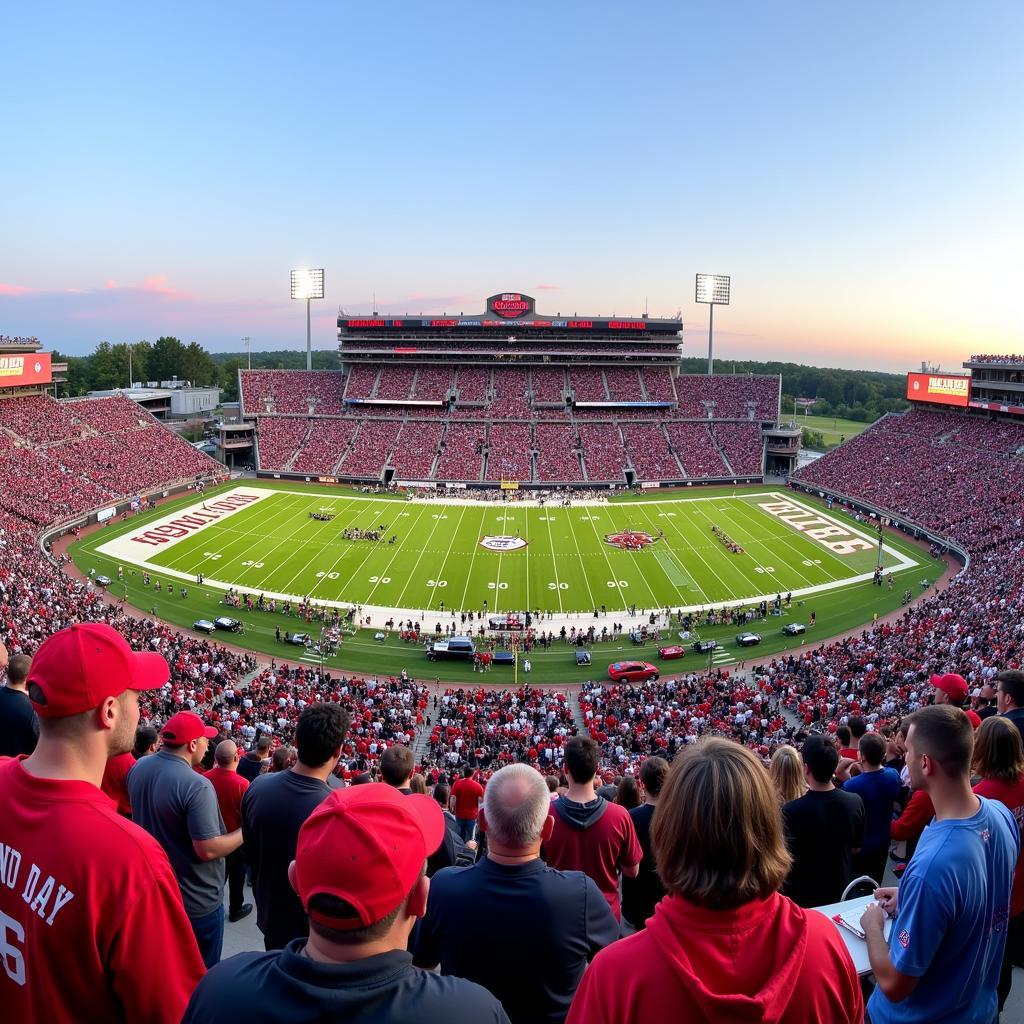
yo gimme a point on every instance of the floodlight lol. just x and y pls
(308, 284)
(712, 290)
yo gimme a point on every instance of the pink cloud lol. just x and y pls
(156, 284)
(13, 289)
(547, 287)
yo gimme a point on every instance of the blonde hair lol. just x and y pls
(787, 774)
(717, 830)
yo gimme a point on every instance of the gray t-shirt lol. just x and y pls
(175, 805)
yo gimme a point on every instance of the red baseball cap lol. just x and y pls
(974, 718)
(184, 727)
(77, 668)
(954, 686)
(366, 845)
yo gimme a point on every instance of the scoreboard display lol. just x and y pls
(938, 388)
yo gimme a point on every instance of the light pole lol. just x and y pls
(248, 349)
(308, 284)
(130, 347)
(712, 290)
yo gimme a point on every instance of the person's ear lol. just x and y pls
(549, 827)
(291, 878)
(417, 903)
(107, 713)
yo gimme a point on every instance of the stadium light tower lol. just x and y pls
(308, 284)
(712, 290)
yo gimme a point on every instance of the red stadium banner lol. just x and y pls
(943, 390)
(19, 370)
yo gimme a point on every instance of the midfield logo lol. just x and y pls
(502, 543)
(630, 540)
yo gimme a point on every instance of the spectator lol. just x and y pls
(275, 807)
(946, 946)
(115, 779)
(361, 908)
(1010, 695)
(640, 895)
(19, 726)
(230, 787)
(949, 688)
(257, 760)
(282, 759)
(110, 941)
(610, 788)
(999, 763)
(418, 784)
(552, 922)
(824, 828)
(465, 802)
(465, 853)
(628, 794)
(724, 944)
(878, 787)
(845, 740)
(396, 769)
(178, 807)
(590, 834)
(787, 774)
(146, 738)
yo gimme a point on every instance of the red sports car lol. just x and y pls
(632, 671)
(675, 651)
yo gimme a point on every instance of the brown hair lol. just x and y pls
(998, 751)
(717, 830)
(945, 734)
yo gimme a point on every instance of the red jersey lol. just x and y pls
(600, 843)
(93, 924)
(115, 781)
(230, 787)
(467, 793)
(1011, 796)
(768, 961)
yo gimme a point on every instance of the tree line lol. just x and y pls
(861, 395)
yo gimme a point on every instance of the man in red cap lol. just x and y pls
(360, 872)
(949, 689)
(178, 807)
(91, 919)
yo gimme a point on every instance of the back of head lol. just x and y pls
(653, 773)
(844, 736)
(467, 771)
(872, 749)
(17, 670)
(282, 759)
(145, 737)
(787, 773)
(628, 793)
(225, 753)
(998, 751)
(441, 793)
(396, 765)
(516, 805)
(552, 783)
(944, 734)
(821, 757)
(418, 784)
(858, 727)
(581, 759)
(263, 745)
(717, 831)
(319, 733)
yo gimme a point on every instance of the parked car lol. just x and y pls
(504, 658)
(104, 581)
(203, 626)
(675, 651)
(229, 624)
(794, 628)
(748, 639)
(456, 648)
(633, 671)
(582, 656)
(299, 639)
(703, 646)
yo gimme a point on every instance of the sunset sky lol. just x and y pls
(856, 168)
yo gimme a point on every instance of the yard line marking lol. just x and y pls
(412, 529)
(472, 557)
(440, 572)
(554, 565)
(579, 554)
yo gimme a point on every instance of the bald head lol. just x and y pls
(226, 753)
(516, 805)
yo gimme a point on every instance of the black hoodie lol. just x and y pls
(578, 815)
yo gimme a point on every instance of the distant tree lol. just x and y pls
(166, 360)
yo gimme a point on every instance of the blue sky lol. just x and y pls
(857, 169)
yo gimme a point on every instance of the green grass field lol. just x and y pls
(833, 430)
(272, 546)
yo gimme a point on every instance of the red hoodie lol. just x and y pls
(768, 962)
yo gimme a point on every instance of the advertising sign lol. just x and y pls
(944, 390)
(510, 305)
(19, 370)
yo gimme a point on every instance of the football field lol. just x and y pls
(432, 555)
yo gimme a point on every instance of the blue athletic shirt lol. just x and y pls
(950, 927)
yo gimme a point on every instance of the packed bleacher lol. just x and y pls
(514, 404)
(557, 458)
